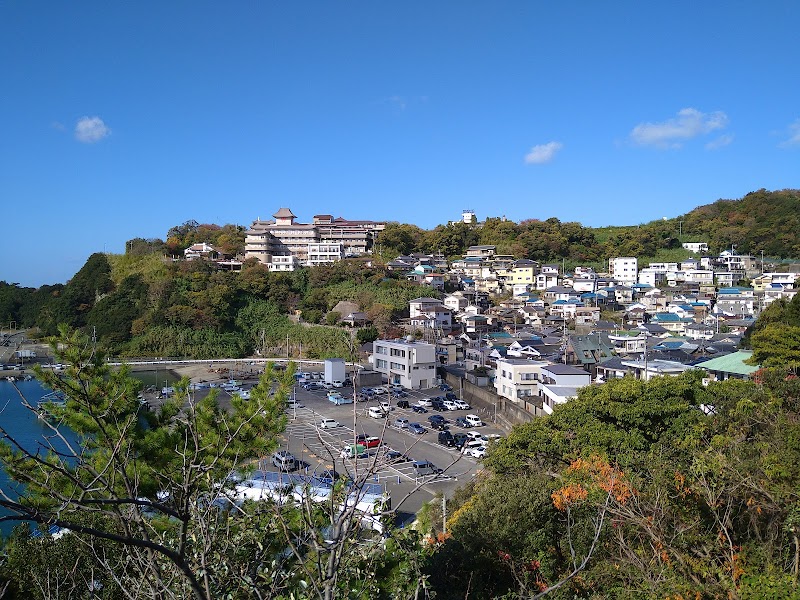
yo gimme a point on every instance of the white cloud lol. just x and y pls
(543, 153)
(721, 141)
(90, 130)
(794, 135)
(687, 124)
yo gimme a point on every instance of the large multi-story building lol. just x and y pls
(407, 363)
(623, 269)
(324, 240)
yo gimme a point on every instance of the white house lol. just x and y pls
(559, 383)
(517, 378)
(624, 269)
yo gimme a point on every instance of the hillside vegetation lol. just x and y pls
(141, 304)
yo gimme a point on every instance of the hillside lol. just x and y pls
(761, 221)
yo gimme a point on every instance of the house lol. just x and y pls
(481, 251)
(355, 319)
(547, 277)
(671, 322)
(405, 362)
(558, 383)
(517, 378)
(647, 369)
(523, 271)
(419, 306)
(696, 247)
(200, 250)
(588, 350)
(456, 301)
(730, 366)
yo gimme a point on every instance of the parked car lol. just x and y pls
(445, 387)
(450, 396)
(284, 460)
(462, 422)
(386, 406)
(437, 404)
(445, 438)
(476, 452)
(312, 386)
(459, 439)
(449, 405)
(401, 423)
(419, 409)
(423, 402)
(425, 467)
(397, 457)
(437, 419)
(402, 404)
(416, 428)
(376, 412)
(474, 420)
(328, 424)
(474, 435)
(368, 441)
(328, 476)
(461, 404)
(400, 394)
(397, 388)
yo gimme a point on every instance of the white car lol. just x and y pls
(449, 405)
(329, 424)
(424, 402)
(474, 420)
(461, 405)
(474, 435)
(476, 452)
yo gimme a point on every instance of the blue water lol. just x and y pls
(22, 424)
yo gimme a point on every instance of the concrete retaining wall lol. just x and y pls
(486, 404)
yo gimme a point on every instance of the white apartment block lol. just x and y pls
(624, 269)
(408, 363)
(518, 378)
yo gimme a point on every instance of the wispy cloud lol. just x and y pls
(543, 153)
(687, 124)
(90, 130)
(793, 133)
(720, 142)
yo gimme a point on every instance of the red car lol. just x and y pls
(369, 441)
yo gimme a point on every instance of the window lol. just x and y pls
(380, 363)
(398, 366)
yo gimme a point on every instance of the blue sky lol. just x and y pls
(120, 120)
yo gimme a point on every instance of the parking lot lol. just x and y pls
(317, 449)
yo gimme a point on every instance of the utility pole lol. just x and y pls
(444, 513)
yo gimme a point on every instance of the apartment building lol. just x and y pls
(406, 362)
(624, 269)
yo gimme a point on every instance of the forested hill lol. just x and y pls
(762, 220)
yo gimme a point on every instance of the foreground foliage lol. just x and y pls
(634, 491)
(147, 499)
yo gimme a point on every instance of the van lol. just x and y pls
(425, 467)
(354, 451)
(376, 412)
(474, 420)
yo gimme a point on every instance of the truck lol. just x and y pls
(25, 354)
(335, 371)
